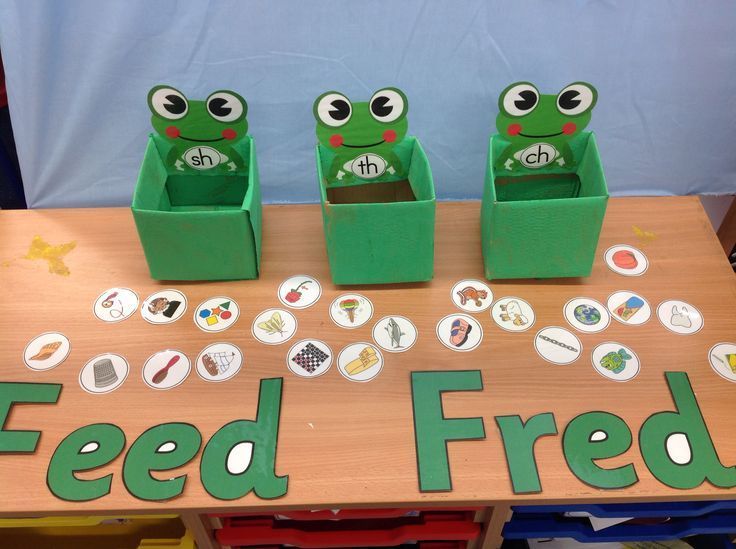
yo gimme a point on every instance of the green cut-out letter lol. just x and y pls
(160, 448)
(676, 446)
(86, 448)
(598, 435)
(518, 442)
(12, 393)
(432, 431)
(241, 456)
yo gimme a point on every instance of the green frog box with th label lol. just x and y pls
(376, 189)
(197, 201)
(545, 194)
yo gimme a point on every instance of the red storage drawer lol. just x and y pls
(429, 525)
(339, 514)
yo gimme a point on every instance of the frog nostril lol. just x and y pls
(514, 129)
(172, 132)
(336, 140)
(569, 128)
(389, 136)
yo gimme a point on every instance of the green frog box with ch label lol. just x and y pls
(376, 188)
(545, 194)
(197, 201)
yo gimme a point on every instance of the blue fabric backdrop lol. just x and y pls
(78, 73)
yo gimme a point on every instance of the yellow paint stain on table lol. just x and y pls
(40, 249)
(644, 236)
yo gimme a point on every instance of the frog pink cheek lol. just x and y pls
(389, 136)
(172, 132)
(569, 128)
(229, 133)
(514, 129)
(336, 140)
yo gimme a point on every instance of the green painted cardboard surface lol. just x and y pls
(198, 226)
(375, 243)
(544, 225)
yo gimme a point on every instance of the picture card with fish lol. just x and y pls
(164, 307)
(395, 334)
(459, 332)
(557, 345)
(166, 369)
(629, 308)
(115, 304)
(586, 315)
(46, 351)
(471, 296)
(274, 326)
(680, 317)
(219, 362)
(103, 373)
(626, 260)
(615, 361)
(216, 314)
(513, 314)
(351, 310)
(309, 358)
(722, 358)
(300, 291)
(360, 362)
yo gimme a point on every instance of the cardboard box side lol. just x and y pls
(152, 195)
(252, 201)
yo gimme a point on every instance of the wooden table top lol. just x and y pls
(352, 444)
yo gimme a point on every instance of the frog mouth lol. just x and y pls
(201, 140)
(363, 146)
(536, 136)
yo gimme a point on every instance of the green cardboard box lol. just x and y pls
(543, 224)
(380, 231)
(198, 226)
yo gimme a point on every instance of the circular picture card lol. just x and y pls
(274, 326)
(626, 260)
(586, 314)
(395, 334)
(166, 370)
(459, 332)
(557, 345)
(629, 308)
(219, 362)
(164, 307)
(216, 314)
(309, 358)
(46, 351)
(615, 361)
(103, 373)
(471, 296)
(360, 362)
(115, 304)
(351, 310)
(300, 291)
(722, 358)
(679, 317)
(513, 314)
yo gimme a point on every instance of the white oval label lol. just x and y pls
(202, 158)
(368, 166)
(537, 155)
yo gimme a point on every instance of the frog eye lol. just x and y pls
(333, 109)
(519, 99)
(576, 99)
(388, 105)
(168, 102)
(226, 106)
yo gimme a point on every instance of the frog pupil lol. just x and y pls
(527, 101)
(218, 107)
(569, 99)
(380, 107)
(175, 105)
(341, 109)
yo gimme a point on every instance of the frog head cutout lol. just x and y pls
(361, 135)
(539, 127)
(202, 133)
